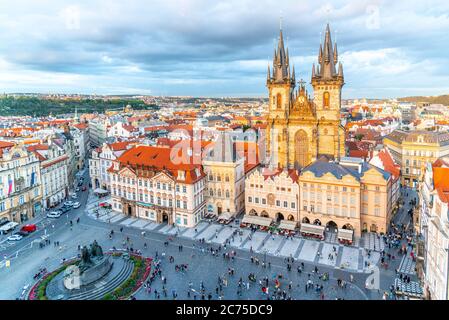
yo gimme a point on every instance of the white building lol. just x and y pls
(54, 172)
(434, 229)
(121, 130)
(20, 183)
(145, 183)
(101, 160)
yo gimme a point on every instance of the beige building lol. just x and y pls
(351, 194)
(225, 171)
(413, 149)
(272, 194)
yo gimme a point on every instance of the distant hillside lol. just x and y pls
(10, 106)
(433, 100)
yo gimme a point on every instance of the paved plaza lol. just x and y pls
(328, 256)
(309, 250)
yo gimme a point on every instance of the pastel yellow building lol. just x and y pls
(351, 194)
(413, 149)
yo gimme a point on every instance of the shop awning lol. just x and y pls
(288, 225)
(225, 216)
(260, 221)
(312, 229)
(345, 234)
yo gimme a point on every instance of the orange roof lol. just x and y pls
(389, 164)
(5, 145)
(81, 126)
(122, 145)
(443, 193)
(162, 159)
(440, 177)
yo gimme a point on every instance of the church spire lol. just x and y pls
(281, 69)
(327, 58)
(340, 70)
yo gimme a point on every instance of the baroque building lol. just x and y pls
(301, 129)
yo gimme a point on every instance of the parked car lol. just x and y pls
(76, 205)
(68, 203)
(29, 228)
(53, 214)
(65, 209)
(14, 237)
(74, 196)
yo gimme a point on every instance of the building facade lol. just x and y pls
(413, 149)
(225, 171)
(20, 184)
(351, 194)
(146, 183)
(272, 194)
(54, 173)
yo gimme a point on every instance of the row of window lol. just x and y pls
(218, 193)
(337, 211)
(158, 185)
(263, 201)
(218, 177)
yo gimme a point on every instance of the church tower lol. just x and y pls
(327, 84)
(280, 84)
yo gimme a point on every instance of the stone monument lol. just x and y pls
(92, 267)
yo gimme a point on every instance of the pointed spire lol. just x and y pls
(313, 71)
(340, 70)
(327, 58)
(335, 53)
(320, 54)
(281, 70)
(293, 73)
(268, 73)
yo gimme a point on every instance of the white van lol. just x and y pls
(8, 227)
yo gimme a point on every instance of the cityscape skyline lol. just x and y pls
(70, 48)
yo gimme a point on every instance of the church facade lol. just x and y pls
(301, 129)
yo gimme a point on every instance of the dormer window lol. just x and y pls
(181, 175)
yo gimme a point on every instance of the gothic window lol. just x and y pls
(279, 101)
(326, 99)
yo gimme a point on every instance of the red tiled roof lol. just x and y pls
(122, 145)
(389, 164)
(81, 126)
(440, 177)
(161, 159)
(443, 193)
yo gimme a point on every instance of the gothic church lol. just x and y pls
(301, 129)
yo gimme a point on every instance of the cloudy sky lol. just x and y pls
(218, 48)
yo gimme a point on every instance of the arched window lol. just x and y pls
(227, 193)
(227, 178)
(219, 192)
(279, 101)
(211, 192)
(326, 99)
